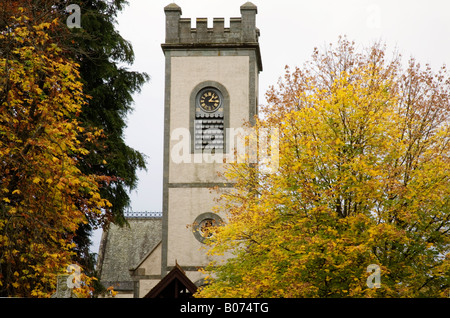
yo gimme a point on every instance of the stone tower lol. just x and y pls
(211, 85)
(211, 89)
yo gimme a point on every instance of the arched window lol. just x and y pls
(209, 116)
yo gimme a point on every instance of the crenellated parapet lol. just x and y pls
(242, 30)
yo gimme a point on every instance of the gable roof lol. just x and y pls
(174, 285)
(124, 247)
(146, 256)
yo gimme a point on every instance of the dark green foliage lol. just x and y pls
(101, 52)
(111, 87)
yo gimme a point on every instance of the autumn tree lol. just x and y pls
(363, 178)
(103, 56)
(44, 196)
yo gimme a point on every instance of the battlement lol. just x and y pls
(242, 30)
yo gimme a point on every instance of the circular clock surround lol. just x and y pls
(202, 223)
(209, 99)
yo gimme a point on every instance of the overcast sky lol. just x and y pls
(290, 29)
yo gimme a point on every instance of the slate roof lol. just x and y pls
(123, 248)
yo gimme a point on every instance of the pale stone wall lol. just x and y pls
(146, 285)
(187, 72)
(185, 204)
(229, 60)
(151, 266)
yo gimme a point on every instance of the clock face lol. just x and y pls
(210, 99)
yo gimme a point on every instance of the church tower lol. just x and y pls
(211, 90)
(211, 86)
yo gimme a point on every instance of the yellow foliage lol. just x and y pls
(40, 135)
(363, 179)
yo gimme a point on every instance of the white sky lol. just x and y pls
(290, 30)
